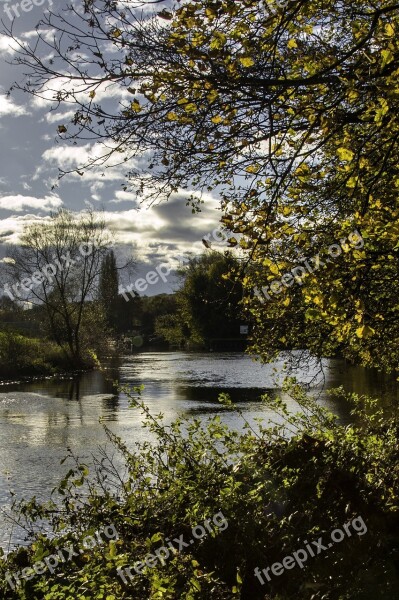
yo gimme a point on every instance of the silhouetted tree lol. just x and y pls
(108, 289)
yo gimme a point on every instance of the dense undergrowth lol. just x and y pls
(23, 356)
(277, 487)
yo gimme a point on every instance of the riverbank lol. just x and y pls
(22, 356)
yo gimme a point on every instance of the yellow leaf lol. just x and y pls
(285, 210)
(135, 106)
(210, 14)
(302, 170)
(212, 96)
(292, 44)
(116, 33)
(171, 116)
(247, 61)
(353, 95)
(351, 183)
(364, 332)
(218, 119)
(218, 41)
(190, 108)
(345, 154)
(252, 168)
(274, 269)
(389, 30)
(387, 57)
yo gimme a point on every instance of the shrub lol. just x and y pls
(21, 355)
(278, 486)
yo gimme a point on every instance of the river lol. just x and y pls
(40, 419)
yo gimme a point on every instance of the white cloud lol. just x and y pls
(8, 107)
(7, 46)
(12, 227)
(122, 196)
(165, 228)
(71, 157)
(18, 203)
(68, 157)
(53, 116)
(104, 91)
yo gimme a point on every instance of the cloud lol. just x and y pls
(53, 116)
(12, 227)
(7, 46)
(122, 196)
(69, 157)
(18, 203)
(8, 107)
(163, 230)
(110, 92)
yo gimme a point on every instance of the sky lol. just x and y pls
(31, 151)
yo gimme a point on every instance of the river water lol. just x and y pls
(39, 420)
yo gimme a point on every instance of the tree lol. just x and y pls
(289, 110)
(57, 267)
(154, 308)
(208, 302)
(109, 288)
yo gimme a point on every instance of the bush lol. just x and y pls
(278, 488)
(21, 355)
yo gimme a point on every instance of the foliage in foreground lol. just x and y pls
(296, 480)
